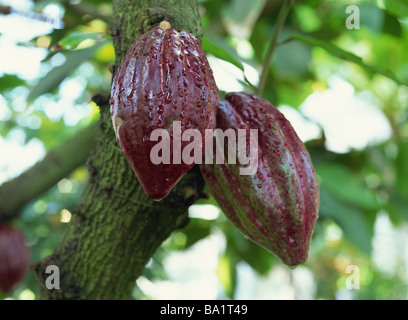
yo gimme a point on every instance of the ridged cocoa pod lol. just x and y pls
(14, 257)
(276, 207)
(165, 77)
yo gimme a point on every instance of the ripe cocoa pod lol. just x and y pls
(13, 257)
(164, 78)
(276, 207)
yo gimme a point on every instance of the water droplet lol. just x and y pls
(111, 101)
(260, 176)
(277, 153)
(199, 104)
(198, 77)
(160, 109)
(182, 115)
(167, 100)
(167, 182)
(259, 185)
(154, 56)
(146, 140)
(174, 106)
(291, 242)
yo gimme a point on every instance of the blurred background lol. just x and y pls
(343, 89)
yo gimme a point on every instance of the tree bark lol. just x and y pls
(115, 228)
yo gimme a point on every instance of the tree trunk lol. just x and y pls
(115, 228)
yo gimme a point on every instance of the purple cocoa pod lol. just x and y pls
(164, 82)
(277, 206)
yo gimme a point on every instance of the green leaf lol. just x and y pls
(401, 164)
(260, 259)
(10, 81)
(219, 52)
(227, 272)
(371, 16)
(344, 186)
(196, 230)
(357, 228)
(397, 7)
(347, 56)
(52, 79)
(73, 39)
(391, 25)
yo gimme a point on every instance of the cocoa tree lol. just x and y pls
(115, 228)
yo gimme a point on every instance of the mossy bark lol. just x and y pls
(115, 228)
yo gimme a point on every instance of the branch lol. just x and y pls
(283, 13)
(57, 164)
(83, 9)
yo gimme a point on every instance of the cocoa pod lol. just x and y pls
(14, 257)
(164, 78)
(276, 207)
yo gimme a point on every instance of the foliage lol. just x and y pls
(360, 187)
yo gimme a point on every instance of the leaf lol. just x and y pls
(338, 180)
(371, 16)
(347, 56)
(73, 39)
(220, 53)
(52, 79)
(10, 81)
(227, 272)
(260, 259)
(397, 7)
(196, 230)
(401, 164)
(391, 25)
(356, 227)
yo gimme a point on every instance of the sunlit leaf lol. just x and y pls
(348, 56)
(227, 272)
(73, 39)
(52, 79)
(209, 46)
